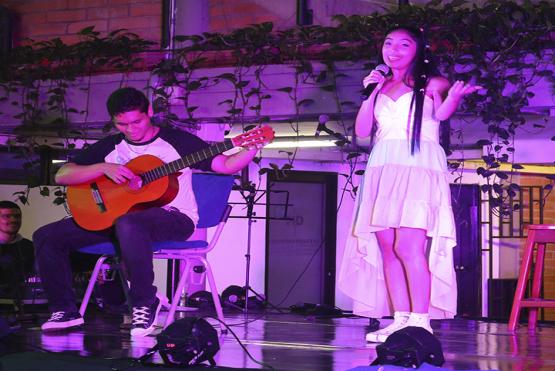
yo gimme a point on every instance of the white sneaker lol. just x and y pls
(419, 321)
(381, 335)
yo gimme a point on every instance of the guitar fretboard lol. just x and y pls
(182, 163)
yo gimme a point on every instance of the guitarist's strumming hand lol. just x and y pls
(117, 173)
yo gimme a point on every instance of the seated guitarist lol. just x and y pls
(136, 231)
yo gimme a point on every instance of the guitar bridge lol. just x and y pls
(98, 198)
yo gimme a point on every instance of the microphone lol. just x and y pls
(322, 119)
(381, 68)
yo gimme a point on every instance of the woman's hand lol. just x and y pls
(374, 77)
(445, 109)
(460, 89)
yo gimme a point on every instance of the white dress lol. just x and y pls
(401, 190)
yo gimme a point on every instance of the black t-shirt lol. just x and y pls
(17, 261)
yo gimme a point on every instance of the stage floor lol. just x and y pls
(296, 342)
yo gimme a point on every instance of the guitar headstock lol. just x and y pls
(255, 138)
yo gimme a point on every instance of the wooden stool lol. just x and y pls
(540, 234)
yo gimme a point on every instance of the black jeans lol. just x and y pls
(135, 232)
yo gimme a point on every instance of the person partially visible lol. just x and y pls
(17, 256)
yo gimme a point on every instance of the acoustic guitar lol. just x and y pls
(96, 205)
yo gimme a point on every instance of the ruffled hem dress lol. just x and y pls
(401, 190)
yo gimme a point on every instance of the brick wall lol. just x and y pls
(549, 218)
(228, 15)
(47, 19)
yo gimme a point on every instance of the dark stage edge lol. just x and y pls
(35, 361)
(290, 342)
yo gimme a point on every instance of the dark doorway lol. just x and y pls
(301, 234)
(467, 255)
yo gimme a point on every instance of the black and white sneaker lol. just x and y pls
(62, 320)
(144, 319)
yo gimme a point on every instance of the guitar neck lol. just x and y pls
(187, 161)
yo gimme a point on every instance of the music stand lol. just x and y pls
(248, 191)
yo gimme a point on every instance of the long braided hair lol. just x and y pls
(419, 73)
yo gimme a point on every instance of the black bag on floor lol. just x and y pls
(410, 347)
(188, 341)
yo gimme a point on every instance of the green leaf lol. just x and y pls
(305, 102)
(87, 31)
(286, 89)
(242, 84)
(514, 79)
(454, 165)
(328, 88)
(485, 188)
(193, 85)
(227, 76)
(322, 76)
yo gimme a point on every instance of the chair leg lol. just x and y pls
(522, 279)
(118, 265)
(214, 291)
(536, 285)
(177, 294)
(90, 286)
